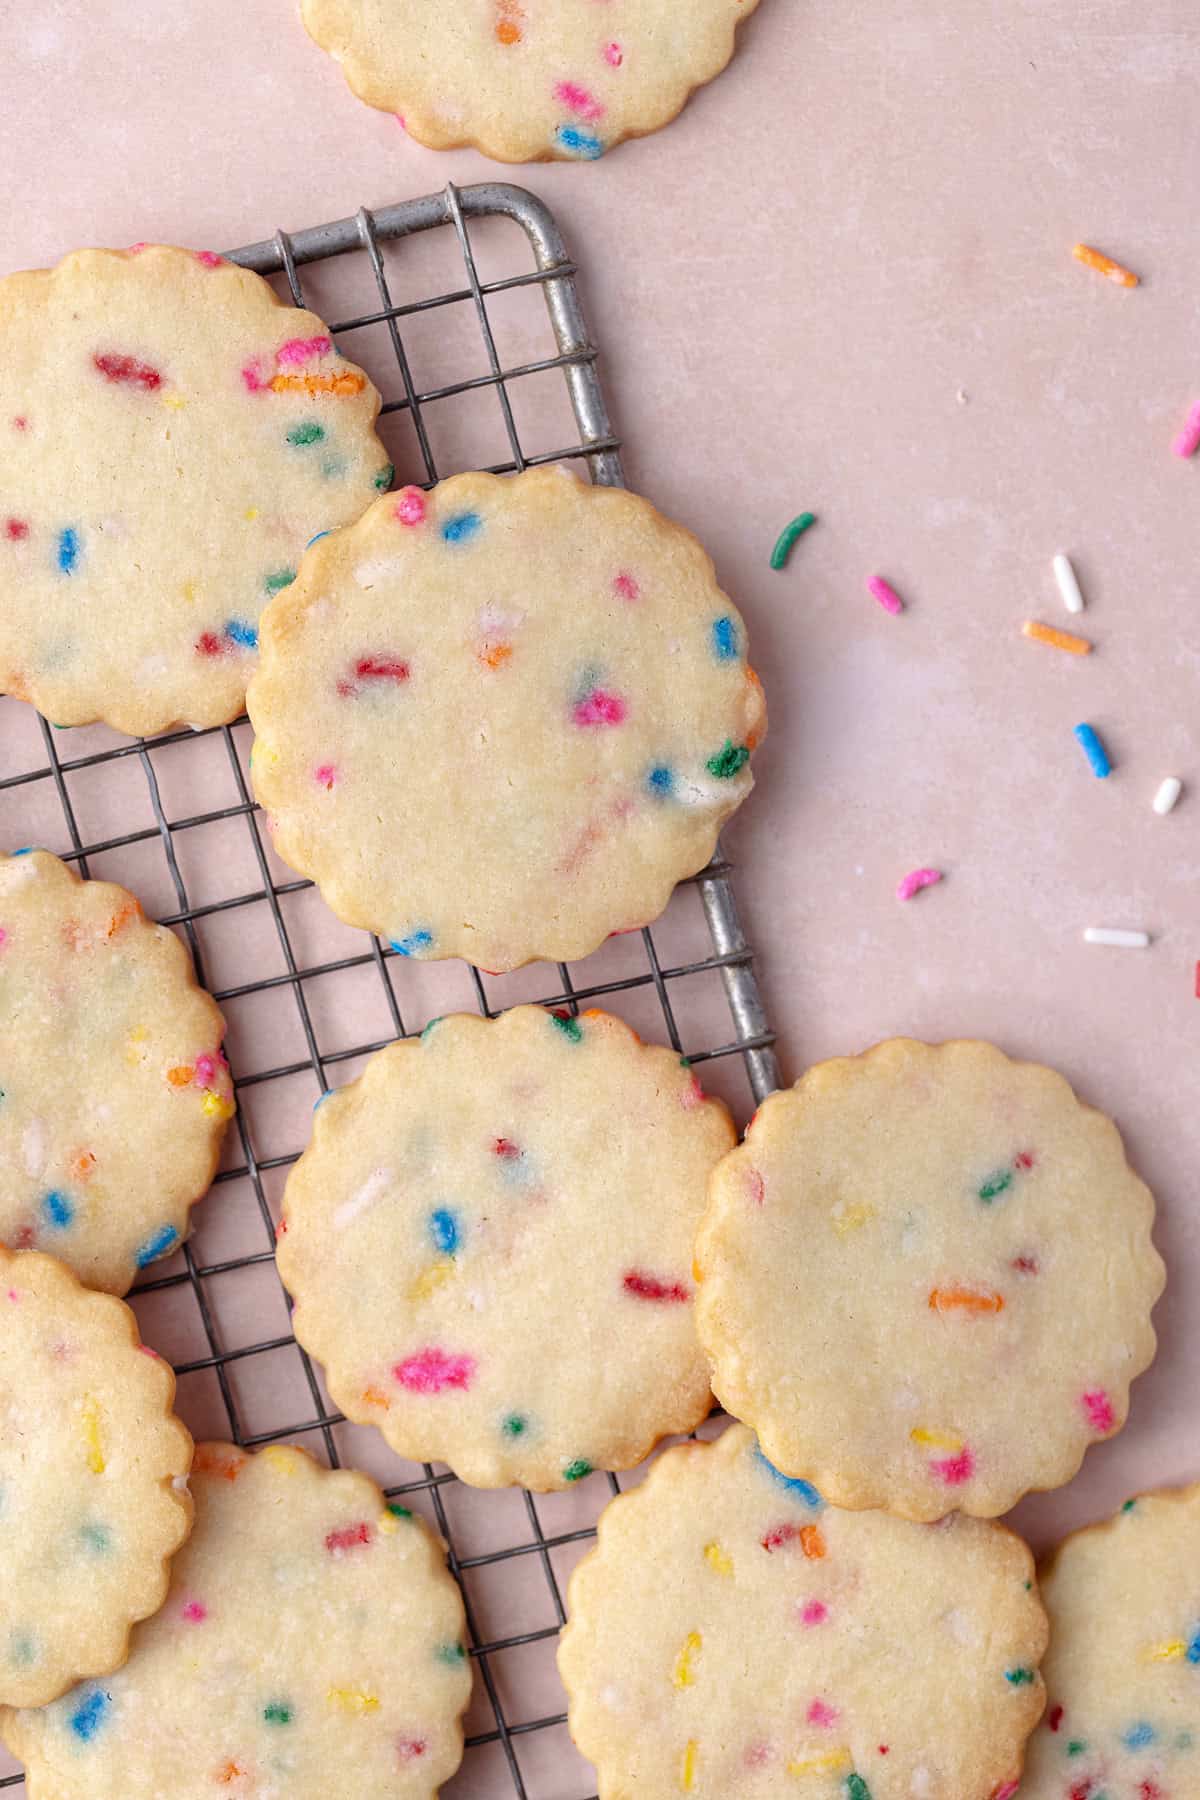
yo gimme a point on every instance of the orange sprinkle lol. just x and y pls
(812, 1543)
(82, 1164)
(508, 23)
(181, 1075)
(208, 1461)
(1104, 265)
(1058, 640)
(753, 738)
(317, 384)
(495, 654)
(229, 1773)
(961, 1299)
(123, 916)
(373, 1397)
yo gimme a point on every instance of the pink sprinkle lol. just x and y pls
(20, 423)
(614, 56)
(136, 249)
(1099, 1410)
(757, 1756)
(887, 596)
(14, 1296)
(297, 351)
(814, 1612)
(915, 880)
(578, 100)
(399, 118)
(693, 1095)
(955, 1470)
(206, 1068)
(145, 1350)
(1188, 441)
(432, 1371)
(252, 375)
(209, 258)
(1007, 1791)
(410, 506)
(755, 1187)
(3, 937)
(194, 1613)
(821, 1713)
(325, 775)
(627, 587)
(601, 708)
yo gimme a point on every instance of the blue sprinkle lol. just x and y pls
(322, 1098)
(1139, 1735)
(317, 539)
(95, 1538)
(58, 1209)
(414, 944)
(68, 550)
(725, 639)
(1193, 1649)
(800, 1490)
(22, 1649)
(242, 632)
(25, 850)
(443, 1229)
(579, 143)
(1094, 750)
(88, 1716)
(660, 781)
(461, 527)
(157, 1245)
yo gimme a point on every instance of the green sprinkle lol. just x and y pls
(385, 478)
(279, 579)
(451, 1654)
(309, 433)
(95, 1537)
(779, 556)
(1029, 1587)
(397, 1511)
(515, 1426)
(430, 1025)
(996, 1184)
(22, 1649)
(856, 1788)
(1076, 1747)
(569, 1026)
(685, 1062)
(728, 760)
(1018, 1677)
(278, 1713)
(1129, 1506)
(576, 1470)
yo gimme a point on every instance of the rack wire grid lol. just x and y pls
(232, 1381)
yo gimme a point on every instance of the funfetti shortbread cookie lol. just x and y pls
(489, 1245)
(502, 720)
(171, 436)
(311, 1646)
(732, 1637)
(115, 1091)
(1122, 1718)
(927, 1278)
(93, 1480)
(528, 80)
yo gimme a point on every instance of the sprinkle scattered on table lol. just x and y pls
(1188, 441)
(788, 536)
(1094, 750)
(1104, 265)
(886, 595)
(1118, 940)
(915, 880)
(1169, 790)
(1068, 584)
(1058, 640)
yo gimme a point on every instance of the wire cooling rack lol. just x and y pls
(307, 1000)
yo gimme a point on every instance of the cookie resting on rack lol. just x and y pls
(311, 1645)
(528, 80)
(501, 720)
(927, 1277)
(732, 1637)
(489, 1245)
(115, 1090)
(171, 436)
(1122, 1675)
(93, 1480)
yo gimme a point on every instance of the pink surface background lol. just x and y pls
(841, 281)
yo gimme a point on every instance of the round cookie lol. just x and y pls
(1122, 1717)
(733, 1638)
(115, 1093)
(489, 1245)
(312, 1637)
(501, 721)
(927, 1278)
(93, 1480)
(171, 436)
(528, 80)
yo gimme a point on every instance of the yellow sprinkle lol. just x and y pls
(1175, 1651)
(133, 1043)
(252, 512)
(189, 592)
(90, 1419)
(718, 1560)
(176, 402)
(353, 1700)
(434, 1277)
(827, 1764)
(683, 1674)
(387, 1524)
(936, 1440)
(284, 1462)
(216, 1106)
(846, 1219)
(687, 1774)
(1058, 640)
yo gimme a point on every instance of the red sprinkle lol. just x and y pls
(625, 585)
(506, 1149)
(118, 368)
(649, 1287)
(1028, 1265)
(409, 1749)
(1025, 1160)
(1054, 1718)
(15, 530)
(1198, 981)
(374, 668)
(782, 1534)
(349, 1537)
(209, 644)
(755, 1187)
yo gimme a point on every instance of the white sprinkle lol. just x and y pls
(372, 1190)
(1168, 793)
(33, 1147)
(1121, 940)
(1068, 584)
